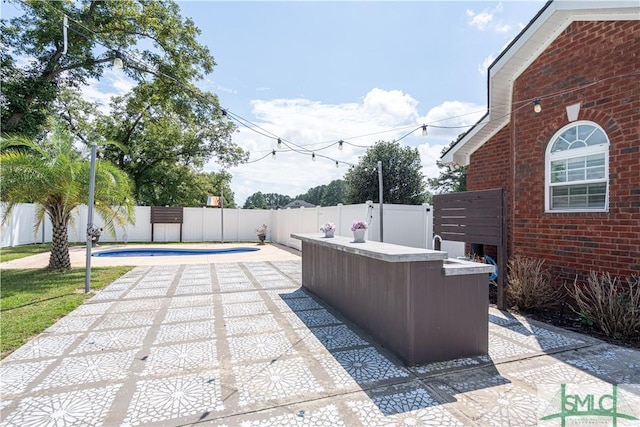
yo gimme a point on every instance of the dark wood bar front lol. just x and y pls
(414, 301)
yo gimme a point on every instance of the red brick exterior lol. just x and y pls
(514, 158)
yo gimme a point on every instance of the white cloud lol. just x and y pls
(113, 83)
(484, 67)
(485, 20)
(479, 20)
(314, 125)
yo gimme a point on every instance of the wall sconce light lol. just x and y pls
(536, 105)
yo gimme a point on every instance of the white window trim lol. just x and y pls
(576, 152)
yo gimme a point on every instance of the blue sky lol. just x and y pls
(317, 72)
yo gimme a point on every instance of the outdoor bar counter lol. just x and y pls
(416, 302)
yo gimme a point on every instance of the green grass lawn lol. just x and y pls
(32, 300)
(16, 252)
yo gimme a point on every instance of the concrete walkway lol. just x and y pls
(239, 343)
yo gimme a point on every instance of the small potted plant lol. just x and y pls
(328, 229)
(358, 228)
(262, 233)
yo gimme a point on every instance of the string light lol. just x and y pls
(536, 105)
(273, 154)
(337, 164)
(313, 156)
(117, 61)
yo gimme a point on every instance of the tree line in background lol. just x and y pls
(154, 140)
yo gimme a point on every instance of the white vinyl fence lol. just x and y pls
(403, 224)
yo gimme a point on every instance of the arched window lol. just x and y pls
(577, 169)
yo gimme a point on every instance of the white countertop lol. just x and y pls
(383, 251)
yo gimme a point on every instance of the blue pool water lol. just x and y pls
(168, 252)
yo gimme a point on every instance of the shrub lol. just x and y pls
(529, 284)
(610, 305)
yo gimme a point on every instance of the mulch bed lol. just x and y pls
(564, 317)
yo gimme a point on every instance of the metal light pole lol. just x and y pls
(92, 181)
(221, 214)
(381, 201)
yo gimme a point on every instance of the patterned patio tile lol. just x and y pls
(330, 338)
(146, 304)
(310, 318)
(162, 400)
(451, 365)
(116, 339)
(43, 346)
(187, 314)
(185, 332)
(90, 308)
(276, 284)
(539, 338)
(79, 370)
(191, 301)
(415, 407)
(245, 309)
(181, 358)
(360, 366)
(147, 292)
(126, 320)
(107, 295)
(72, 324)
(610, 363)
(258, 347)
(243, 285)
(324, 416)
(548, 370)
(284, 378)
(87, 407)
(196, 289)
(297, 304)
(501, 405)
(16, 377)
(240, 297)
(251, 325)
(501, 349)
(164, 282)
(287, 294)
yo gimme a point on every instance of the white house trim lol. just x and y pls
(555, 17)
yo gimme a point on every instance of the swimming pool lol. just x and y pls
(168, 252)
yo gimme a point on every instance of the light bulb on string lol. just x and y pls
(313, 156)
(424, 130)
(536, 105)
(340, 143)
(279, 143)
(337, 165)
(273, 154)
(225, 118)
(117, 61)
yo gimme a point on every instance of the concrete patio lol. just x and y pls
(240, 343)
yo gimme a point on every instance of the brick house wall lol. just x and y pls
(514, 158)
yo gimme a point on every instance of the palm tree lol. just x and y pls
(55, 177)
